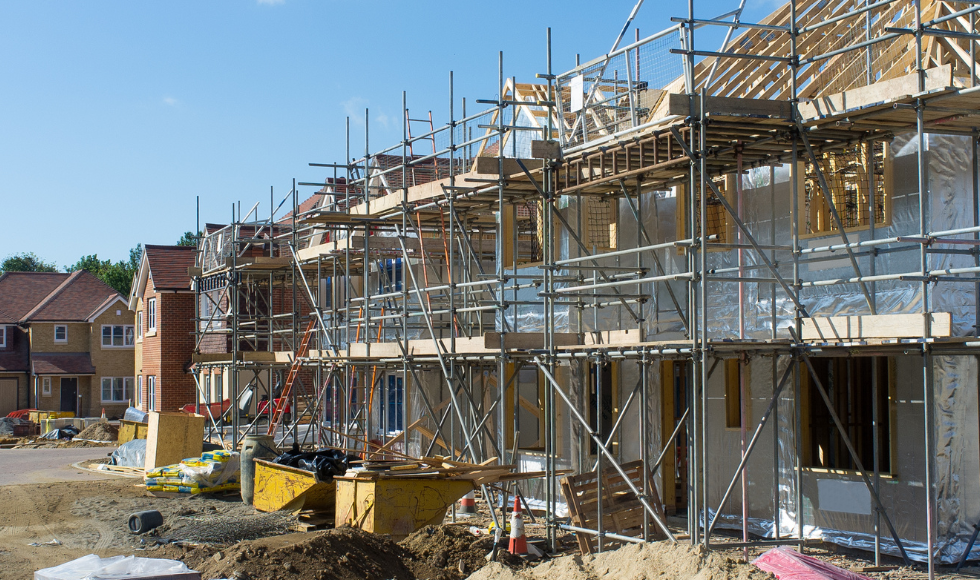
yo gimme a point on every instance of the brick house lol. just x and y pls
(67, 345)
(162, 299)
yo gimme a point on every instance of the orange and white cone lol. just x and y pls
(518, 541)
(467, 505)
(103, 413)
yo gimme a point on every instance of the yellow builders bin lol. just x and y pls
(280, 487)
(395, 505)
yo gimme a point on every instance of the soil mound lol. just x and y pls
(635, 562)
(443, 548)
(342, 554)
(100, 431)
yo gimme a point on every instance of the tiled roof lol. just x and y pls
(77, 298)
(168, 266)
(20, 292)
(304, 206)
(71, 363)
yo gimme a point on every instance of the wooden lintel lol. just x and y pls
(849, 328)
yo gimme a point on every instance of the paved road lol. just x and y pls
(48, 465)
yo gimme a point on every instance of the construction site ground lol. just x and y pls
(56, 512)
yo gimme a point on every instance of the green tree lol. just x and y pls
(189, 239)
(118, 275)
(26, 262)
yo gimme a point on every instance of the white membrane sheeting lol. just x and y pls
(766, 213)
(836, 505)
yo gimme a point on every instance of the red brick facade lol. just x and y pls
(166, 353)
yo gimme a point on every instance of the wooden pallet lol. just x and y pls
(309, 521)
(122, 469)
(622, 512)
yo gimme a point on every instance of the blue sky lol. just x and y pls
(115, 115)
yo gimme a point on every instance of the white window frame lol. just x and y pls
(3, 336)
(139, 391)
(62, 340)
(112, 335)
(151, 315)
(217, 388)
(46, 386)
(139, 325)
(125, 383)
(151, 392)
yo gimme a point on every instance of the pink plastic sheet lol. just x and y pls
(788, 564)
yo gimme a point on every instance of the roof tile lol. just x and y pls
(20, 292)
(168, 266)
(77, 298)
(69, 363)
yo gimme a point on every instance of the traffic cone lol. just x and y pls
(518, 541)
(467, 505)
(103, 413)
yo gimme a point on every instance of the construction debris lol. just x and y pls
(788, 564)
(93, 567)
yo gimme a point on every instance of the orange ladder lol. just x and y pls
(304, 349)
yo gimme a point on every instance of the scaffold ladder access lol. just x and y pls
(304, 349)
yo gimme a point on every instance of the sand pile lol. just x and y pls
(99, 431)
(634, 562)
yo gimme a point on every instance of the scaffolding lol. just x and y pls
(666, 213)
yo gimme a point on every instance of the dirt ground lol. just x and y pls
(223, 538)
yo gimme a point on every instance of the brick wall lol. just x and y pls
(42, 338)
(254, 303)
(109, 361)
(166, 353)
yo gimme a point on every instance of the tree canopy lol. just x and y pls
(189, 239)
(26, 262)
(119, 274)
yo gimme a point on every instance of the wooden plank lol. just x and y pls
(528, 340)
(847, 328)
(681, 104)
(892, 90)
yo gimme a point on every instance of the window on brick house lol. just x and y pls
(151, 392)
(46, 386)
(151, 315)
(849, 388)
(117, 335)
(139, 324)
(117, 389)
(139, 391)
(3, 336)
(60, 333)
(218, 388)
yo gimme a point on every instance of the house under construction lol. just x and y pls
(748, 275)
